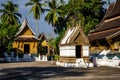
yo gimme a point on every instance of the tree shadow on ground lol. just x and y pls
(39, 73)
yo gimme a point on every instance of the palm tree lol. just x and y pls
(10, 13)
(53, 15)
(37, 10)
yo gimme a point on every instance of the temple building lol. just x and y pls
(44, 47)
(107, 32)
(26, 41)
(74, 45)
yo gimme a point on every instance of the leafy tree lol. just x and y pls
(7, 34)
(10, 13)
(9, 24)
(57, 41)
(61, 26)
(72, 12)
(37, 10)
(84, 13)
(93, 13)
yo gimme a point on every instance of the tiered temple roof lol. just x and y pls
(23, 36)
(109, 25)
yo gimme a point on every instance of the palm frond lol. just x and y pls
(9, 12)
(29, 4)
(2, 10)
(18, 15)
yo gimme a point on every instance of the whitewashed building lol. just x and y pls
(73, 46)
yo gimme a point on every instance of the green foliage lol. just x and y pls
(61, 26)
(72, 12)
(53, 12)
(7, 34)
(84, 13)
(52, 44)
(93, 13)
(56, 57)
(37, 11)
(10, 13)
(9, 24)
(36, 8)
(57, 41)
(42, 50)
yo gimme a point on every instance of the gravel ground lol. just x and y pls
(49, 71)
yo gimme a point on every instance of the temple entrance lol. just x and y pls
(78, 51)
(26, 48)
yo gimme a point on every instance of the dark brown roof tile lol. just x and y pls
(102, 34)
(109, 25)
(115, 11)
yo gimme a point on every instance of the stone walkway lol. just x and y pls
(48, 71)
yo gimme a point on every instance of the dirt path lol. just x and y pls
(48, 71)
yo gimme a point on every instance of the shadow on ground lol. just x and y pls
(49, 71)
(38, 73)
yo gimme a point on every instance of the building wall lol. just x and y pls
(70, 53)
(67, 51)
(85, 50)
(20, 46)
(33, 45)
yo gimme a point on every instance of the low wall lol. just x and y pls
(107, 62)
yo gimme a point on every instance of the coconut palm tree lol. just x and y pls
(53, 15)
(10, 13)
(53, 12)
(37, 10)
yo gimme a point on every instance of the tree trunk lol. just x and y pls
(37, 28)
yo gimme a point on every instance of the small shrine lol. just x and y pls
(74, 45)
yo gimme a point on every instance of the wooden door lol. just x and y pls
(78, 51)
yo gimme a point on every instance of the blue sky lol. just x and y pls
(43, 25)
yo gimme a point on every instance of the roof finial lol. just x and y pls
(26, 20)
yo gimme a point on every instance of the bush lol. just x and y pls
(56, 57)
